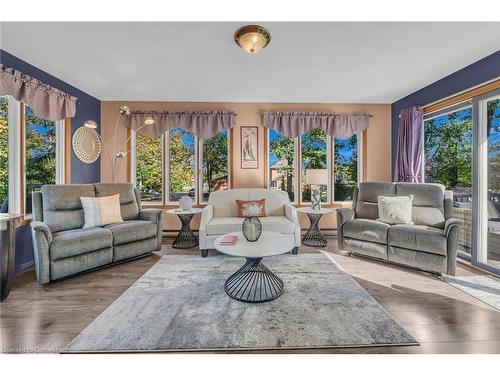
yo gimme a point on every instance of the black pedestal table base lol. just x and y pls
(185, 239)
(254, 282)
(313, 236)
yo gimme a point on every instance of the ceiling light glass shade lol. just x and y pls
(149, 120)
(124, 110)
(252, 38)
(90, 124)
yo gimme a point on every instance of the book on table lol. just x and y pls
(229, 239)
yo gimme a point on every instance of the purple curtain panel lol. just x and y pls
(409, 152)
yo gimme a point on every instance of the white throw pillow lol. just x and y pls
(395, 210)
(101, 211)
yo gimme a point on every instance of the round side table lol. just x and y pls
(185, 239)
(313, 236)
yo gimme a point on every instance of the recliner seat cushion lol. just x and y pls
(74, 242)
(366, 230)
(131, 231)
(222, 225)
(418, 237)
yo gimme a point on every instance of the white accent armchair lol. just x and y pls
(220, 215)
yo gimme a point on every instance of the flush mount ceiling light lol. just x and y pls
(252, 38)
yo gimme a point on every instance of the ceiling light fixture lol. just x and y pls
(252, 38)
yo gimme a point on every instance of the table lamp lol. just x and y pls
(316, 178)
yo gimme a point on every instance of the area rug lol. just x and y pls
(180, 305)
(484, 288)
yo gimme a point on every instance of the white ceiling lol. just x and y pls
(330, 62)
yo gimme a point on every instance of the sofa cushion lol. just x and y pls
(428, 202)
(131, 231)
(366, 205)
(418, 237)
(128, 202)
(73, 242)
(366, 230)
(62, 207)
(222, 225)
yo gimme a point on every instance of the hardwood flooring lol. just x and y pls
(44, 318)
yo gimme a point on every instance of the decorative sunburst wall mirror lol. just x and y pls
(86, 144)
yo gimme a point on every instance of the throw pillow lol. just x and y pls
(101, 211)
(251, 208)
(395, 210)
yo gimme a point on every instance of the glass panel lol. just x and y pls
(493, 131)
(281, 162)
(149, 168)
(448, 161)
(345, 169)
(215, 164)
(181, 165)
(4, 153)
(40, 154)
(314, 156)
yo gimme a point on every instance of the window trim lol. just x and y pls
(330, 167)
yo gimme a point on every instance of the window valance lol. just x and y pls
(293, 124)
(46, 101)
(202, 124)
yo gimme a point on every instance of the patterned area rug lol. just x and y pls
(180, 304)
(484, 288)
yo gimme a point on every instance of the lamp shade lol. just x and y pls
(316, 176)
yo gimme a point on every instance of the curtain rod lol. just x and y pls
(321, 113)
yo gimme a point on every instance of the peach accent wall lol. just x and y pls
(378, 140)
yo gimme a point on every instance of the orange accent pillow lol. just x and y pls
(251, 208)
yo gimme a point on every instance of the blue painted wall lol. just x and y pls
(481, 71)
(89, 108)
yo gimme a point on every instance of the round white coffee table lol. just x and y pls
(185, 239)
(254, 282)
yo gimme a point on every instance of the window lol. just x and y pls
(40, 154)
(191, 167)
(345, 167)
(149, 168)
(4, 152)
(281, 172)
(181, 164)
(448, 160)
(314, 155)
(215, 164)
(315, 150)
(41, 161)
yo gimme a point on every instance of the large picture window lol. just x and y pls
(40, 154)
(192, 167)
(315, 150)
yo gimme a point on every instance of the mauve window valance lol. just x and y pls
(202, 124)
(293, 124)
(46, 101)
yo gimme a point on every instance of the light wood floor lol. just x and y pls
(443, 319)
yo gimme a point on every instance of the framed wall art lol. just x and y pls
(249, 138)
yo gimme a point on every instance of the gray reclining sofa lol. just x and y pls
(429, 244)
(62, 247)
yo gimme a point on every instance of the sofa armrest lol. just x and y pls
(206, 215)
(291, 214)
(451, 228)
(343, 215)
(450, 224)
(42, 238)
(151, 214)
(43, 228)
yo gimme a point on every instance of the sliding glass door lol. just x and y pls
(488, 163)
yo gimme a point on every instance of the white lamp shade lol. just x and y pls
(316, 177)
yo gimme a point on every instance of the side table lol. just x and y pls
(313, 236)
(185, 239)
(8, 223)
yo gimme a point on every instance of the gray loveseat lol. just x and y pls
(62, 247)
(430, 244)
